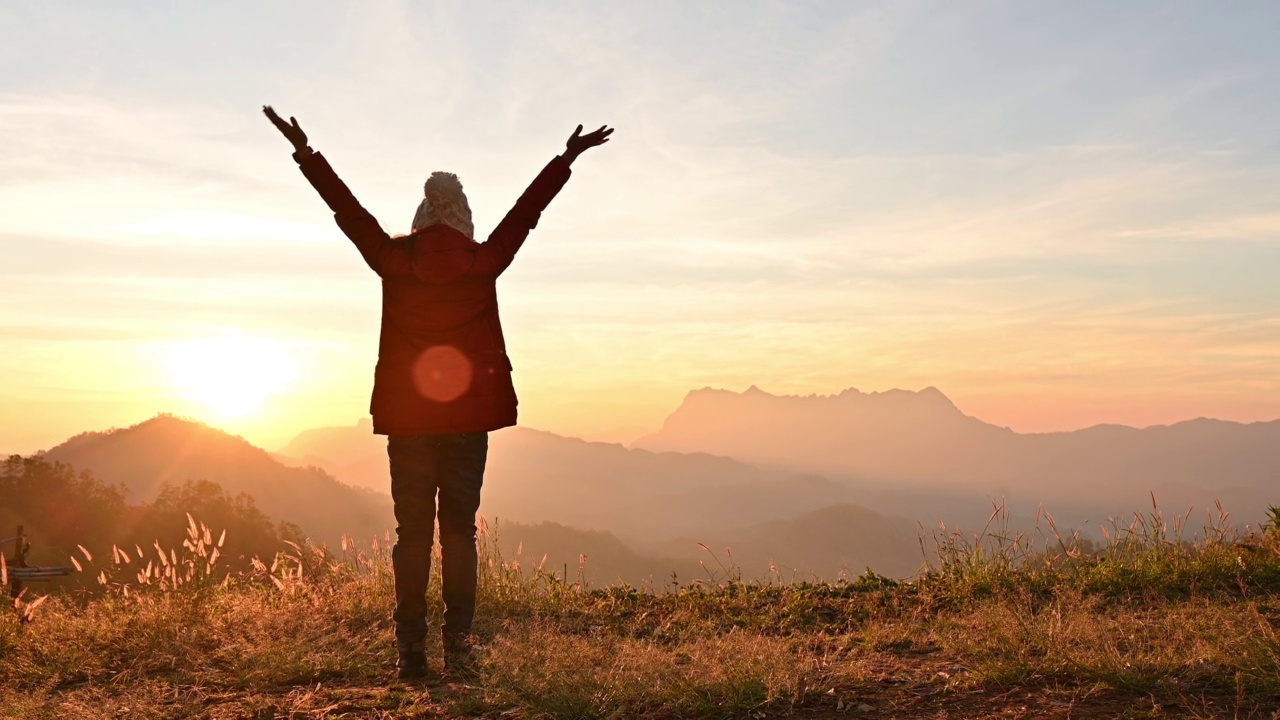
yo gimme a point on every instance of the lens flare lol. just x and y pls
(442, 373)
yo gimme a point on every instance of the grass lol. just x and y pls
(1150, 624)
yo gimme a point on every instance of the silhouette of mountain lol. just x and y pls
(899, 443)
(352, 453)
(835, 541)
(557, 550)
(899, 435)
(625, 507)
(535, 476)
(171, 450)
(838, 540)
(639, 495)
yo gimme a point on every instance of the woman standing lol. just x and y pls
(443, 378)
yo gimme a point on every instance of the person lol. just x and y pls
(443, 377)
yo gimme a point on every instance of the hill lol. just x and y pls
(642, 497)
(69, 513)
(352, 453)
(832, 542)
(638, 516)
(170, 450)
(601, 499)
(639, 495)
(595, 557)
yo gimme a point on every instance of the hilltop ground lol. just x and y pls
(1148, 627)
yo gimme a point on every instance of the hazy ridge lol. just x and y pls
(796, 486)
(638, 516)
(910, 450)
(172, 450)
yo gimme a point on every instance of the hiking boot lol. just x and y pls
(459, 657)
(413, 661)
(412, 666)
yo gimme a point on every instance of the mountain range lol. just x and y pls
(638, 516)
(781, 484)
(536, 476)
(899, 447)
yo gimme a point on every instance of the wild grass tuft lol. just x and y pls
(1145, 557)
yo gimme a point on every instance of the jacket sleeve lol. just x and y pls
(382, 254)
(496, 253)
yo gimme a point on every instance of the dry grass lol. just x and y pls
(1201, 644)
(984, 634)
(548, 671)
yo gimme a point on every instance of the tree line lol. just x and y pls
(62, 509)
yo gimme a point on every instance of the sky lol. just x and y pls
(1059, 214)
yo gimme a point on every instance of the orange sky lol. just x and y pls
(1058, 218)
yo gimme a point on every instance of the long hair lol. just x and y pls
(444, 201)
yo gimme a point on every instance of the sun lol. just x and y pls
(231, 375)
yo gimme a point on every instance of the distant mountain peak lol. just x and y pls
(162, 424)
(929, 396)
(167, 424)
(165, 430)
(920, 439)
(708, 417)
(167, 449)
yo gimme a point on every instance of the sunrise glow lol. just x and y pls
(231, 376)
(1058, 218)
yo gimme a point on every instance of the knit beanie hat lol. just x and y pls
(444, 202)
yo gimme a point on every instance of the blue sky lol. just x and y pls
(1057, 213)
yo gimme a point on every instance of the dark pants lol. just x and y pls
(421, 467)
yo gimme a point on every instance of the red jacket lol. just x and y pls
(442, 361)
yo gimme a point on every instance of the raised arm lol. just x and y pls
(500, 249)
(355, 222)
